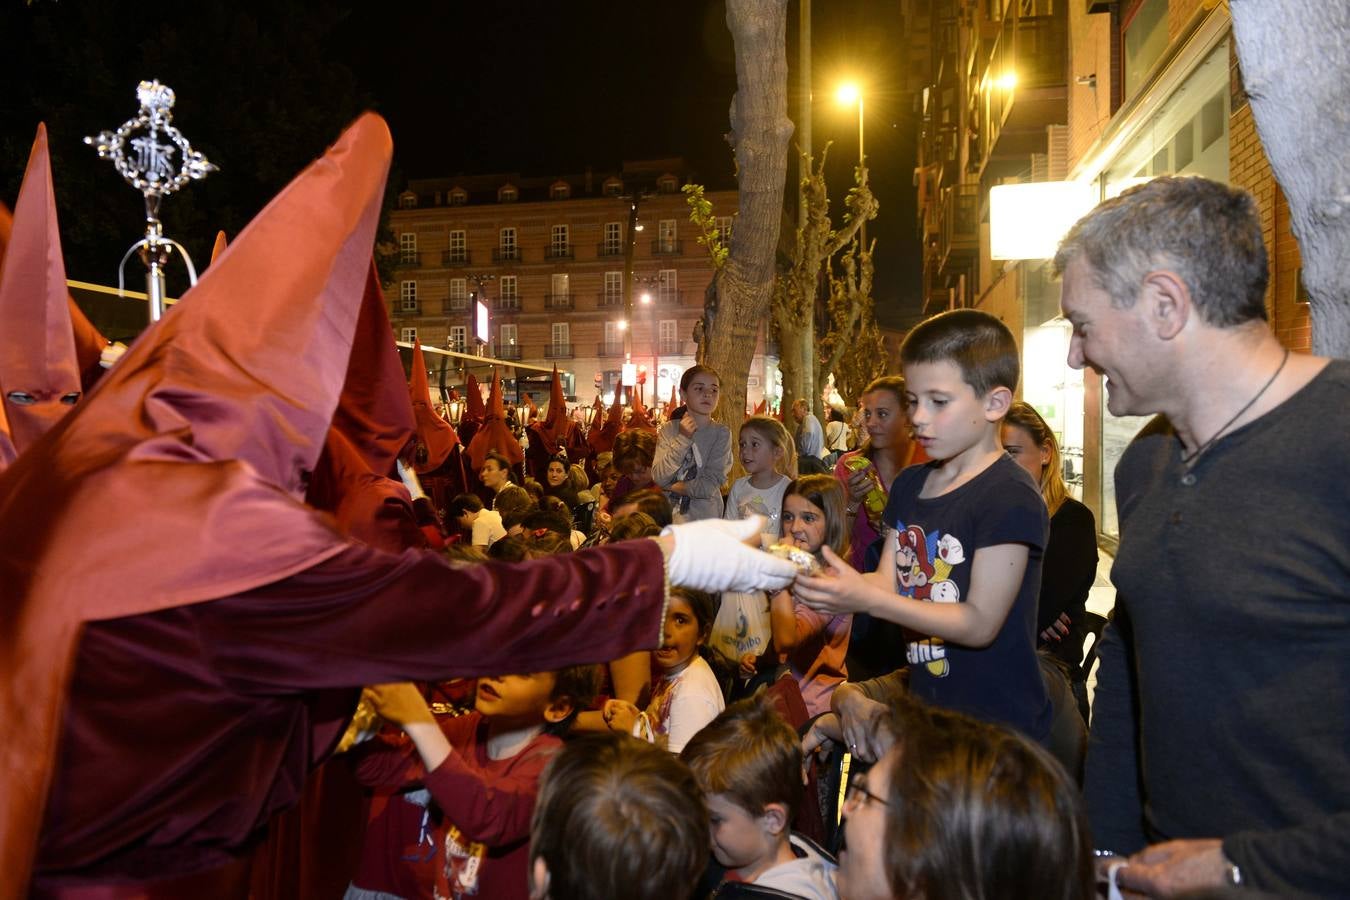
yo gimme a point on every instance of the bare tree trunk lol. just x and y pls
(1295, 57)
(759, 135)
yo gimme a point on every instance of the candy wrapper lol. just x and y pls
(802, 559)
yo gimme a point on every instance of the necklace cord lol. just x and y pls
(1187, 459)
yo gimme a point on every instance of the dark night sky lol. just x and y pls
(478, 87)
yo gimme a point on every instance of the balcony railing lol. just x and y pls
(455, 257)
(506, 351)
(662, 247)
(558, 251)
(454, 305)
(407, 260)
(558, 301)
(609, 349)
(670, 348)
(609, 301)
(506, 304)
(558, 351)
(606, 249)
(669, 298)
(409, 309)
(960, 223)
(506, 254)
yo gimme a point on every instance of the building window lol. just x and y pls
(407, 247)
(561, 343)
(558, 243)
(507, 194)
(459, 293)
(407, 292)
(613, 245)
(613, 187)
(506, 245)
(667, 289)
(559, 285)
(667, 184)
(613, 288)
(724, 230)
(560, 191)
(1144, 40)
(666, 236)
(459, 338)
(408, 335)
(458, 196)
(506, 336)
(407, 200)
(613, 340)
(667, 337)
(459, 247)
(510, 299)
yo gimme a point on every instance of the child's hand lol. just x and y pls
(620, 715)
(748, 665)
(840, 589)
(687, 425)
(399, 703)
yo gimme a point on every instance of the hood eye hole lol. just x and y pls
(21, 398)
(70, 399)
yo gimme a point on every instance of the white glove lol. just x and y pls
(709, 556)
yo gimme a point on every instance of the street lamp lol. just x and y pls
(848, 94)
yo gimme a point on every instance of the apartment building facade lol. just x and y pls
(549, 256)
(1106, 93)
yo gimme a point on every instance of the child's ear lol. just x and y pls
(558, 709)
(775, 818)
(997, 403)
(539, 879)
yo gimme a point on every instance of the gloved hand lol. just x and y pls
(709, 556)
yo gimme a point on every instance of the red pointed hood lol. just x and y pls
(553, 432)
(760, 407)
(674, 400)
(39, 368)
(195, 448)
(219, 246)
(474, 410)
(495, 435)
(355, 478)
(435, 438)
(602, 439)
(639, 421)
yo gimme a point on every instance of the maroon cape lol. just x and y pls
(181, 637)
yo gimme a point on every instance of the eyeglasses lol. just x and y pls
(858, 795)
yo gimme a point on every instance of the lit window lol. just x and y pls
(408, 335)
(458, 247)
(459, 197)
(558, 242)
(507, 194)
(459, 338)
(407, 292)
(560, 191)
(613, 245)
(407, 247)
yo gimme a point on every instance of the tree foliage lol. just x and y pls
(852, 349)
(709, 235)
(803, 363)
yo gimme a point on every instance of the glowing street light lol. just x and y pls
(848, 94)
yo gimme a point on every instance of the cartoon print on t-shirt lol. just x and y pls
(923, 566)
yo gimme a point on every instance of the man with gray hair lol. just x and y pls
(1220, 743)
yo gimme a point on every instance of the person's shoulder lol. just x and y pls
(1075, 514)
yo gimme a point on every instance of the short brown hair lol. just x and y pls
(618, 817)
(749, 754)
(693, 372)
(634, 448)
(634, 525)
(977, 811)
(977, 343)
(579, 685)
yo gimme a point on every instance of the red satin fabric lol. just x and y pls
(38, 354)
(435, 437)
(192, 451)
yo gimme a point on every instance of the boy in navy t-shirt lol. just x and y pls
(961, 563)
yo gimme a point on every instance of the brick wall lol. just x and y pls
(1089, 54)
(1249, 168)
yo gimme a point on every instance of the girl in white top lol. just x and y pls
(769, 456)
(685, 693)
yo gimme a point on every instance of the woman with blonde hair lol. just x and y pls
(1070, 562)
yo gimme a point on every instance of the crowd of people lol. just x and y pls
(340, 647)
